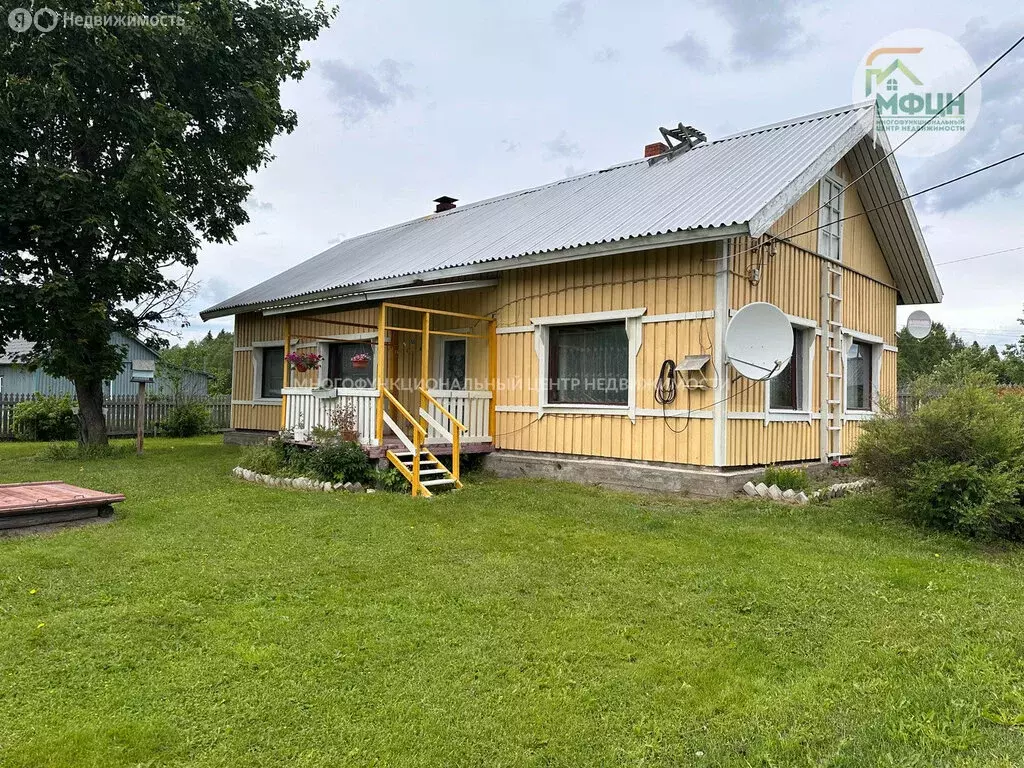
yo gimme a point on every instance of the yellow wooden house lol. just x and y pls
(578, 329)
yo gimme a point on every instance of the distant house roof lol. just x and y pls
(12, 353)
(740, 184)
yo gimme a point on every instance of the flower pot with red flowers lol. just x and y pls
(362, 360)
(304, 361)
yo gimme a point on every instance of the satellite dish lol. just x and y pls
(759, 341)
(919, 325)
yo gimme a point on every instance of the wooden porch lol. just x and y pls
(427, 391)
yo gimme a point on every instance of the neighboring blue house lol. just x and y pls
(17, 380)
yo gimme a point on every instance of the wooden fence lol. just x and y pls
(120, 411)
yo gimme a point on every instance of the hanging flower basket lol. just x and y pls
(362, 360)
(304, 361)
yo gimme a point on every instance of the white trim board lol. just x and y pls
(589, 317)
(364, 297)
(705, 314)
(515, 329)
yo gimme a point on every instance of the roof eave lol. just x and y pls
(647, 242)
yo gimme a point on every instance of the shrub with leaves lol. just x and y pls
(955, 463)
(188, 419)
(339, 462)
(45, 418)
(390, 480)
(786, 478)
(261, 458)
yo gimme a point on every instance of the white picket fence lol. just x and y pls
(472, 408)
(307, 408)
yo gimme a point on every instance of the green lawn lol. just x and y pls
(514, 623)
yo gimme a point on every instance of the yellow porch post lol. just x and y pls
(424, 363)
(492, 376)
(381, 322)
(287, 371)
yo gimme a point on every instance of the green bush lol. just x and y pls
(187, 420)
(45, 418)
(786, 478)
(954, 463)
(261, 458)
(338, 462)
(389, 480)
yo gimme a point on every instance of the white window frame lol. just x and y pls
(257, 371)
(634, 335)
(825, 193)
(877, 347)
(808, 330)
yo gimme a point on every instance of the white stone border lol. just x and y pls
(790, 496)
(301, 483)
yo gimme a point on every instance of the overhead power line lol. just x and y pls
(979, 256)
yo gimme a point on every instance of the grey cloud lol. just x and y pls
(607, 55)
(997, 134)
(509, 145)
(766, 32)
(562, 148)
(693, 52)
(568, 17)
(358, 92)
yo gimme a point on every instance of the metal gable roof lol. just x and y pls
(738, 180)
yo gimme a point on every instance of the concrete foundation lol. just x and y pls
(246, 436)
(621, 475)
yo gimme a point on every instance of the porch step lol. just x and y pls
(442, 481)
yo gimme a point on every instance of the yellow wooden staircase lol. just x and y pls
(425, 472)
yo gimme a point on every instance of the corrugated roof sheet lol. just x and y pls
(14, 349)
(719, 183)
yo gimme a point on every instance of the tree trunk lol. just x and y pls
(93, 425)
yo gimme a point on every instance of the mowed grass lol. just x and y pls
(217, 623)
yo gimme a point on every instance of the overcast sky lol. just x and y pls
(407, 101)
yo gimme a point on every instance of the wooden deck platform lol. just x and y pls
(438, 449)
(51, 501)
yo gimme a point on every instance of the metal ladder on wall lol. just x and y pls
(833, 361)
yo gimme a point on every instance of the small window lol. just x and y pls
(787, 389)
(830, 218)
(272, 372)
(588, 364)
(858, 377)
(350, 364)
(453, 376)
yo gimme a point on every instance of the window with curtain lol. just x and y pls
(829, 218)
(346, 372)
(588, 364)
(453, 374)
(272, 372)
(858, 377)
(786, 391)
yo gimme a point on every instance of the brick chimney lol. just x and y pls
(655, 149)
(445, 203)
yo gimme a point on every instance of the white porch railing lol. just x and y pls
(471, 407)
(307, 408)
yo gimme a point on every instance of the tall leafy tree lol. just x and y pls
(122, 148)
(210, 354)
(920, 356)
